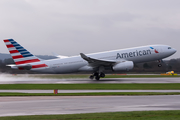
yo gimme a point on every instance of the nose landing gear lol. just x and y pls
(160, 61)
(159, 65)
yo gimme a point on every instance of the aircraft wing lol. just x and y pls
(59, 56)
(97, 62)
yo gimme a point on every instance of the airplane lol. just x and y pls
(97, 63)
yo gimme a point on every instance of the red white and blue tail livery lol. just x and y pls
(22, 58)
(97, 63)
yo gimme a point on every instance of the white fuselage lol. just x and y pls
(136, 55)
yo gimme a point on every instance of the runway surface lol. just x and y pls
(83, 91)
(32, 80)
(15, 106)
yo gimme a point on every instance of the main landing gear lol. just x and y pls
(160, 61)
(97, 75)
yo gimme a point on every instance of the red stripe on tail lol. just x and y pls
(9, 46)
(17, 57)
(6, 40)
(14, 51)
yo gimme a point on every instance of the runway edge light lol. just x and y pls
(55, 91)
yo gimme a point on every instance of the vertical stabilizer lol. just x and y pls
(19, 54)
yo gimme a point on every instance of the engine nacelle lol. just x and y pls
(86, 68)
(123, 66)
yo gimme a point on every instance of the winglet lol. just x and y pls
(85, 57)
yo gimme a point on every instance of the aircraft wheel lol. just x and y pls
(97, 77)
(159, 65)
(95, 74)
(91, 77)
(102, 75)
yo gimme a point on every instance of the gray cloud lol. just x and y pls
(69, 27)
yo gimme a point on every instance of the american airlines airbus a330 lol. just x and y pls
(97, 63)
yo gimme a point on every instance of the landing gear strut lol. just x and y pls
(160, 61)
(102, 75)
(97, 75)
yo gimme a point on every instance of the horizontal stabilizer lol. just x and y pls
(27, 66)
(24, 67)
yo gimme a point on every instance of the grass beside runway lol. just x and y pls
(139, 115)
(140, 76)
(68, 76)
(93, 86)
(91, 94)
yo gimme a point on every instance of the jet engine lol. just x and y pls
(123, 66)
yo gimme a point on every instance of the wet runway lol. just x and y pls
(30, 80)
(14, 106)
(84, 91)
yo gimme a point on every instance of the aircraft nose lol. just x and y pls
(174, 50)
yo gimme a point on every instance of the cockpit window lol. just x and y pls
(169, 47)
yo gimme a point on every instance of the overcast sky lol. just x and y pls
(69, 27)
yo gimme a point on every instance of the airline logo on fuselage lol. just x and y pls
(154, 50)
(133, 54)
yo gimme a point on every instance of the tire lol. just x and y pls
(91, 77)
(95, 74)
(97, 78)
(159, 65)
(102, 75)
